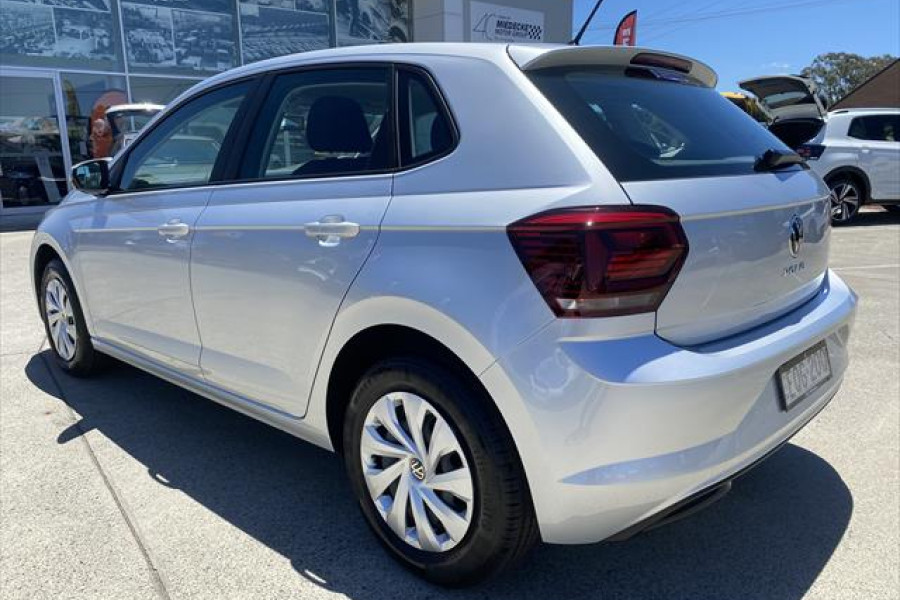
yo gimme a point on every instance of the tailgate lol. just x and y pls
(742, 268)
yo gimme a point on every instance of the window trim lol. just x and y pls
(228, 141)
(239, 136)
(443, 110)
(231, 174)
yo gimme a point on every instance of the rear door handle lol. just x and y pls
(331, 230)
(174, 229)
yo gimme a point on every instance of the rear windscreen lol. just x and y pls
(650, 124)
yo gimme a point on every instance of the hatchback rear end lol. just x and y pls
(697, 327)
(628, 275)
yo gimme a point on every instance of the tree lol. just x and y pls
(836, 74)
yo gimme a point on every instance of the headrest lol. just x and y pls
(441, 137)
(337, 124)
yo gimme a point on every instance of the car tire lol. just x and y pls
(847, 196)
(429, 407)
(64, 322)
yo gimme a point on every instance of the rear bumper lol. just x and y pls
(613, 432)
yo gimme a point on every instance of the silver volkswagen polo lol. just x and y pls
(527, 292)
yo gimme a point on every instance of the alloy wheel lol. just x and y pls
(60, 319)
(844, 201)
(416, 472)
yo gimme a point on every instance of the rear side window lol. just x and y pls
(877, 128)
(322, 123)
(647, 124)
(426, 131)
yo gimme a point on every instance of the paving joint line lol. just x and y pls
(158, 580)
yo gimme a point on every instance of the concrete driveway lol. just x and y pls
(124, 486)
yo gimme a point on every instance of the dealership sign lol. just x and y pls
(495, 23)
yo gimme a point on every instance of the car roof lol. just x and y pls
(139, 106)
(525, 55)
(885, 110)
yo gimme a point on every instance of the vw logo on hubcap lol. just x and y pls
(417, 468)
(796, 239)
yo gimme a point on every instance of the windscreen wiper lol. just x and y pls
(773, 160)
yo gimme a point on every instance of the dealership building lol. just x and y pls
(67, 61)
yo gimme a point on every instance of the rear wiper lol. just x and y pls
(773, 160)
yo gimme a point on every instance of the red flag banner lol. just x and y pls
(626, 32)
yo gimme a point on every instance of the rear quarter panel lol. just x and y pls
(443, 264)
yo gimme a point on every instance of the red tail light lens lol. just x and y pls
(601, 261)
(811, 151)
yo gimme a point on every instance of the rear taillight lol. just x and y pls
(601, 261)
(811, 151)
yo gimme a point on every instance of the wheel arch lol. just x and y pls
(856, 173)
(405, 326)
(43, 254)
(377, 343)
(44, 249)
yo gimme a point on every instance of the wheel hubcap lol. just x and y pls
(416, 472)
(844, 201)
(61, 319)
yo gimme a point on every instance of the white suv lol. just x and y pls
(857, 152)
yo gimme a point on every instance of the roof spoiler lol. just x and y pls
(530, 58)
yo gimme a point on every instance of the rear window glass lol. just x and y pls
(647, 124)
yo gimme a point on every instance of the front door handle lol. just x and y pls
(174, 229)
(331, 230)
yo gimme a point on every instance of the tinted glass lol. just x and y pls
(877, 128)
(278, 27)
(651, 124)
(323, 123)
(184, 148)
(158, 90)
(32, 171)
(71, 34)
(160, 35)
(88, 97)
(788, 98)
(425, 131)
(371, 21)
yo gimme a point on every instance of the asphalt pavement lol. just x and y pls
(124, 486)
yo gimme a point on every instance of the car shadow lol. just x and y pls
(769, 538)
(872, 216)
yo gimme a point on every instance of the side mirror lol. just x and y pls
(92, 176)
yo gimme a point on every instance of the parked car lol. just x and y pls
(796, 109)
(857, 152)
(126, 120)
(569, 313)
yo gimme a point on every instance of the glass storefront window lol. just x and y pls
(75, 34)
(66, 61)
(371, 21)
(86, 98)
(32, 168)
(158, 90)
(277, 27)
(162, 35)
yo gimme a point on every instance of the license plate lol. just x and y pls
(803, 374)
